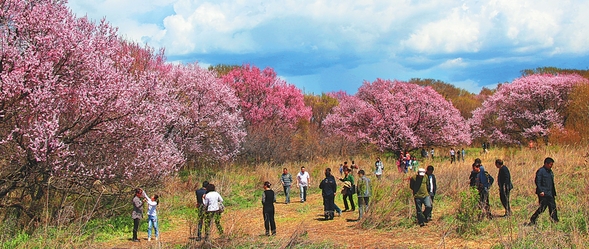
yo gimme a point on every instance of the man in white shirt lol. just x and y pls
(303, 181)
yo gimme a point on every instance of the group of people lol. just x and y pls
(456, 156)
(137, 213)
(407, 162)
(423, 185)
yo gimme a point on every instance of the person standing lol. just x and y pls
(152, 215)
(364, 192)
(286, 180)
(483, 182)
(268, 199)
(354, 168)
(546, 191)
(137, 214)
(328, 190)
(303, 181)
(452, 155)
(432, 153)
(379, 168)
(202, 209)
(213, 201)
(463, 154)
(431, 188)
(505, 185)
(349, 190)
(418, 185)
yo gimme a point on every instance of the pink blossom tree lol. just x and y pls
(271, 109)
(525, 109)
(397, 116)
(80, 108)
(208, 125)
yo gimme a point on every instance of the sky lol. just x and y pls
(331, 45)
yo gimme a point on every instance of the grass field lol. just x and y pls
(390, 222)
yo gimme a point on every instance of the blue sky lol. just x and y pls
(329, 45)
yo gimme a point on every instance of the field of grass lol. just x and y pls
(391, 213)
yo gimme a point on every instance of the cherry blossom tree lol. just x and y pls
(208, 125)
(271, 109)
(83, 112)
(525, 109)
(397, 116)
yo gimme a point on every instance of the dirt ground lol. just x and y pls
(302, 223)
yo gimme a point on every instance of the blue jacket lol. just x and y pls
(328, 186)
(545, 182)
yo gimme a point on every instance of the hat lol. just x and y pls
(347, 184)
(421, 171)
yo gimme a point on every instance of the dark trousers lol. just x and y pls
(135, 228)
(346, 197)
(363, 205)
(484, 203)
(269, 222)
(504, 196)
(545, 201)
(329, 206)
(201, 217)
(422, 215)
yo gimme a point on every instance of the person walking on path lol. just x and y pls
(418, 185)
(137, 214)
(213, 201)
(348, 190)
(364, 192)
(303, 182)
(379, 168)
(431, 188)
(152, 215)
(546, 191)
(505, 185)
(201, 208)
(286, 180)
(268, 199)
(328, 190)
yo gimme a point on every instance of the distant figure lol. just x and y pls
(328, 190)
(546, 191)
(452, 155)
(137, 214)
(152, 215)
(423, 153)
(419, 186)
(463, 154)
(432, 153)
(268, 199)
(202, 209)
(303, 181)
(364, 192)
(379, 168)
(286, 181)
(432, 187)
(485, 148)
(354, 168)
(505, 185)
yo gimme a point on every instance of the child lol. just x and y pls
(152, 215)
(268, 199)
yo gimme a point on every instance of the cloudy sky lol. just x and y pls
(331, 45)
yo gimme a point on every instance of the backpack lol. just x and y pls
(489, 178)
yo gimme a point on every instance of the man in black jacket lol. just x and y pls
(546, 191)
(328, 189)
(505, 185)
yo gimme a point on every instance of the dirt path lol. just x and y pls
(302, 223)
